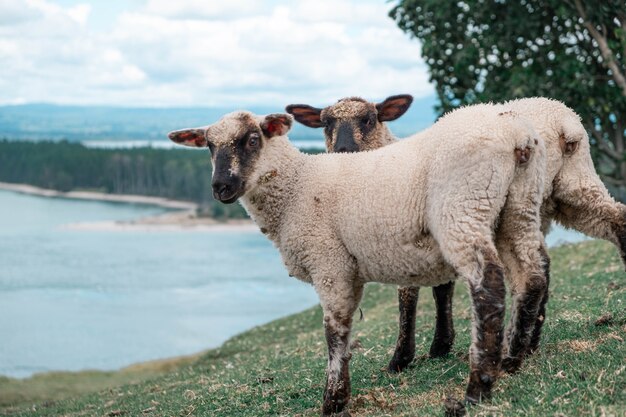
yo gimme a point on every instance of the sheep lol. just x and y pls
(420, 217)
(574, 195)
(358, 125)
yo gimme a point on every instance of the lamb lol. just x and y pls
(574, 195)
(427, 208)
(353, 125)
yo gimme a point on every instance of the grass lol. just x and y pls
(278, 369)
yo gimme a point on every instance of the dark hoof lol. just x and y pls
(454, 407)
(532, 348)
(479, 388)
(335, 406)
(511, 365)
(399, 364)
(439, 349)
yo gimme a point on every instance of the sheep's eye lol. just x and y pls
(329, 123)
(366, 121)
(253, 140)
(211, 147)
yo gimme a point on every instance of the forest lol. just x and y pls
(180, 174)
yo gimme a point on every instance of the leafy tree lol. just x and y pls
(178, 173)
(494, 50)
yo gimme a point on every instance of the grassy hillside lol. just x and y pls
(278, 369)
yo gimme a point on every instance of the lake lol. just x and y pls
(84, 299)
(74, 299)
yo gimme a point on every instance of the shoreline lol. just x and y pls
(182, 216)
(159, 365)
(98, 196)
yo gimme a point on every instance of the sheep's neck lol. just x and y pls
(386, 136)
(275, 188)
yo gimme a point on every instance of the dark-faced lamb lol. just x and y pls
(574, 195)
(427, 210)
(353, 125)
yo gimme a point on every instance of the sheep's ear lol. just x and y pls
(277, 124)
(189, 137)
(307, 115)
(393, 107)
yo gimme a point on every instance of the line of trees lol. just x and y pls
(180, 174)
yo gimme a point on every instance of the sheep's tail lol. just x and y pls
(525, 145)
(571, 133)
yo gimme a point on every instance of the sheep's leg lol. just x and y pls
(405, 346)
(339, 299)
(529, 294)
(521, 247)
(478, 264)
(487, 294)
(541, 314)
(444, 330)
(463, 227)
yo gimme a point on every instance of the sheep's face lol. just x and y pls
(236, 142)
(353, 124)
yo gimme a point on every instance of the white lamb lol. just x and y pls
(574, 195)
(410, 213)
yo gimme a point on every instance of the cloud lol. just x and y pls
(198, 9)
(80, 13)
(15, 12)
(240, 52)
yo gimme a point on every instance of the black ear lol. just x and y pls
(189, 137)
(307, 115)
(393, 107)
(277, 124)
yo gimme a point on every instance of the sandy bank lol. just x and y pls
(91, 195)
(169, 222)
(184, 217)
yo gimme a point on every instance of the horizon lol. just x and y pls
(80, 123)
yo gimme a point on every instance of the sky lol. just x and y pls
(162, 53)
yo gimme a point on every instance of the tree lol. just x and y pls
(494, 50)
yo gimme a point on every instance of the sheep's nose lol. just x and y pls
(345, 149)
(221, 190)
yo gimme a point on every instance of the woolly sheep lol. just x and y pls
(574, 195)
(352, 125)
(427, 209)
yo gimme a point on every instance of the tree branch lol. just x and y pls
(622, 24)
(607, 54)
(613, 181)
(608, 151)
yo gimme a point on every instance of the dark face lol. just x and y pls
(227, 182)
(236, 143)
(234, 159)
(353, 124)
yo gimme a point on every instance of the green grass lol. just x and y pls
(278, 368)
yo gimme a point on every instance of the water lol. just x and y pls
(80, 299)
(559, 235)
(75, 299)
(166, 144)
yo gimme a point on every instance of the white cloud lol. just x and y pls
(208, 53)
(16, 11)
(197, 9)
(79, 13)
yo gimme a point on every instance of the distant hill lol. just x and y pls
(79, 123)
